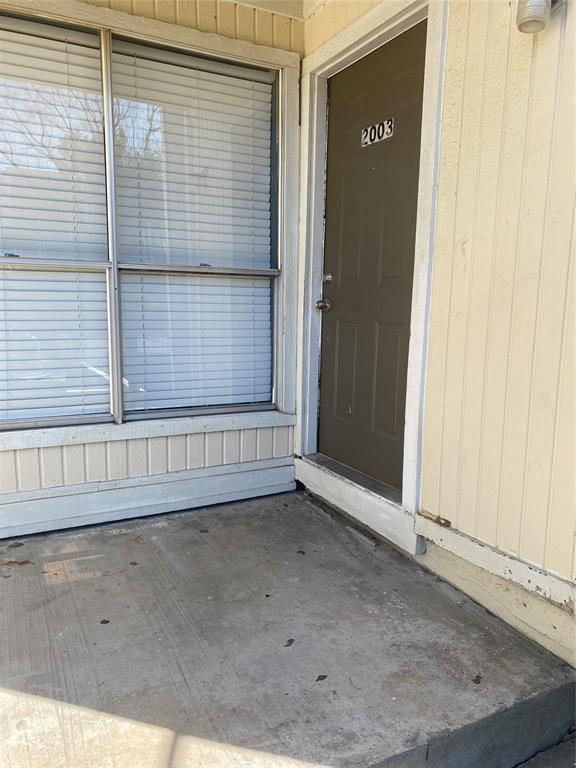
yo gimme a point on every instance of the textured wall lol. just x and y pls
(29, 469)
(220, 16)
(499, 424)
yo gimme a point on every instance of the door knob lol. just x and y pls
(325, 305)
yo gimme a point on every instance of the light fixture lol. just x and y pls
(533, 15)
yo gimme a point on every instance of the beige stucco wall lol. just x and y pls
(221, 16)
(499, 423)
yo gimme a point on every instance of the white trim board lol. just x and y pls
(372, 30)
(102, 502)
(381, 516)
(293, 9)
(130, 430)
(529, 577)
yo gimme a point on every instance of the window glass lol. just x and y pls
(193, 165)
(53, 344)
(190, 340)
(52, 182)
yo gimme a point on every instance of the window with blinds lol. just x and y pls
(193, 160)
(194, 341)
(53, 323)
(189, 265)
(52, 184)
(53, 344)
(193, 180)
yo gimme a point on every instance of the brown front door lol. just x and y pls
(375, 110)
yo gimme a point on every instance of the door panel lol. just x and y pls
(371, 198)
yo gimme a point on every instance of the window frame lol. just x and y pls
(284, 233)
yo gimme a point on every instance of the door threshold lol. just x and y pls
(337, 485)
(358, 478)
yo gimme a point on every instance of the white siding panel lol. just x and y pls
(73, 461)
(266, 443)
(28, 469)
(95, 456)
(176, 453)
(214, 449)
(281, 441)
(8, 481)
(249, 444)
(117, 459)
(196, 451)
(51, 468)
(157, 455)
(232, 446)
(137, 457)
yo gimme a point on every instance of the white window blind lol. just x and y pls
(52, 184)
(193, 160)
(53, 344)
(53, 323)
(192, 341)
(193, 188)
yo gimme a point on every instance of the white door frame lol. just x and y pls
(372, 30)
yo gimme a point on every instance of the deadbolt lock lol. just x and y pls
(325, 305)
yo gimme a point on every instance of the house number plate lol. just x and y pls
(377, 132)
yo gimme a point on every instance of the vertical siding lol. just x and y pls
(498, 438)
(31, 469)
(221, 16)
(331, 18)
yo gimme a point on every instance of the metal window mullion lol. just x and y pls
(191, 270)
(55, 265)
(54, 421)
(112, 275)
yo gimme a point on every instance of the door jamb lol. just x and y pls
(372, 30)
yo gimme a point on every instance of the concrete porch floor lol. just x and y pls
(271, 625)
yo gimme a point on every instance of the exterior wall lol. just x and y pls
(70, 464)
(332, 17)
(499, 426)
(221, 16)
(66, 476)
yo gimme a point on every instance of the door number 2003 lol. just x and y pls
(377, 132)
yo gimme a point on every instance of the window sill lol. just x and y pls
(98, 433)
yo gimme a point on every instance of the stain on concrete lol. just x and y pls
(16, 562)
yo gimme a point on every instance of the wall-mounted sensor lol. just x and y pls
(533, 15)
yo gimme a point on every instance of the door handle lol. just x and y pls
(325, 305)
